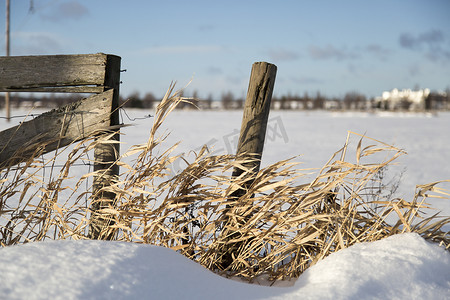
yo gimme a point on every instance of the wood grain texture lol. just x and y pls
(256, 113)
(251, 143)
(105, 156)
(56, 128)
(91, 73)
(46, 73)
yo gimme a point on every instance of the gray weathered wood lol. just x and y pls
(7, 102)
(251, 140)
(91, 73)
(256, 114)
(61, 89)
(106, 156)
(46, 73)
(56, 128)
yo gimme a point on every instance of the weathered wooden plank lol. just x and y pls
(28, 72)
(56, 128)
(61, 89)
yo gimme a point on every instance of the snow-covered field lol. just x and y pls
(315, 136)
(400, 267)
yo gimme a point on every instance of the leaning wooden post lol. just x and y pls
(251, 143)
(7, 102)
(254, 121)
(105, 158)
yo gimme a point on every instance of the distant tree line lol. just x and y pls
(350, 101)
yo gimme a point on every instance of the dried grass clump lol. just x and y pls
(275, 227)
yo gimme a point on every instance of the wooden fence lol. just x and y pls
(91, 73)
(100, 74)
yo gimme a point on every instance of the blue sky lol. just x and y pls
(329, 46)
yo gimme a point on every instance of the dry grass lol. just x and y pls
(278, 227)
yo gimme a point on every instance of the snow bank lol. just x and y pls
(399, 267)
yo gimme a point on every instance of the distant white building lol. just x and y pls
(332, 104)
(404, 99)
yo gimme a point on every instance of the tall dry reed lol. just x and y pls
(277, 227)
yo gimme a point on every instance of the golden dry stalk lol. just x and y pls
(279, 227)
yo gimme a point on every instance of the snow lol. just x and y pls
(399, 267)
(316, 135)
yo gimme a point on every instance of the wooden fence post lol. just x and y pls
(105, 157)
(254, 121)
(8, 48)
(90, 73)
(251, 140)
